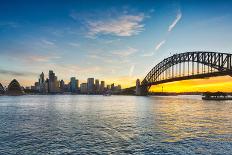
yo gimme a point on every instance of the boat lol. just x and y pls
(107, 93)
(218, 96)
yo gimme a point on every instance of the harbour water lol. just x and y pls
(79, 124)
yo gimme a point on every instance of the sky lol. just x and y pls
(116, 41)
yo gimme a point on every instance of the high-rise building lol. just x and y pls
(41, 78)
(90, 85)
(97, 86)
(62, 86)
(77, 81)
(53, 84)
(42, 84)
(108, 87)
(73, 85)
(83, 88)
(102, 86)
(112, 87)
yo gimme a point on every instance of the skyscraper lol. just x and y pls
(62, 86)
(102, 86)
(90, 85)
(53, 84)
(73, 85)
(42, 83)
(97, 86)
(112, 87)
(83, 88)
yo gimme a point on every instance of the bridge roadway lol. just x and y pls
(174, 68)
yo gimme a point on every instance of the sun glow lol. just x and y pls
(223, 84)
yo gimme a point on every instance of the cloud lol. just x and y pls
(16, 73)
(9, 24)
(158, 46)
(111, 23)
(178, 17)
(50, 43)
(124, 53)
(148, 54)
(74, 44)
(40, 58)
(126, 25)
(131, 71)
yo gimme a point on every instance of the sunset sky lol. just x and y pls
(116, 41)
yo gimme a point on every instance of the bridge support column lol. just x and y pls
(144, 90)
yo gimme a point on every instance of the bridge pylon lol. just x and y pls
(141, 89)
(144, 90)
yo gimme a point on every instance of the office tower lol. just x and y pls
(37, 86)
(73, 85)
(53, 84)
(42, 83)
(108, 87)
(77, 81)
(90, 85)
(102, 86)
(41, 78)
(119, 88)
(112, 87)
(83, 88)
(62, 86)
(97, 86)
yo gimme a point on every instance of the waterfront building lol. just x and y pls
(83, 88)
(37, 86)
(53, 84)
(14, 88)
(2, 91)
(102, 86)
(67, 87)
(62, 86)
(73, 85)
(41, 78)
(97, 86)
(77, 81)
(137, 92)
(90, 85)
(119, 88)
(112, 87)
(42, 84)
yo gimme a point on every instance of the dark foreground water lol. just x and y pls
(114, 125)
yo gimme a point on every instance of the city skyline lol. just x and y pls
(113, 41)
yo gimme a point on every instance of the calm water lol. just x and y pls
(114, 125)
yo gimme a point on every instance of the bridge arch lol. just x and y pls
(211, 64)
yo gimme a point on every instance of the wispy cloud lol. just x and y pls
(159, 45)
(50, 43)
(74, 44)
(178, 17)
(131, 71)
(9, 24)
(16, 73)
(40, 58)
(148, 54)
(126, 25)
(111, 23)
(126, 52)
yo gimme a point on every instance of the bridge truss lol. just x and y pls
(189, 65)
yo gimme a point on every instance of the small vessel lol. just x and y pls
(216, 96)
(107, 93)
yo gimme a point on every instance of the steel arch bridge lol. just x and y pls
(189, 65)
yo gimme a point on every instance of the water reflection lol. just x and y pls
(115, 124)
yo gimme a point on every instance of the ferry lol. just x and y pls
(216, 96)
